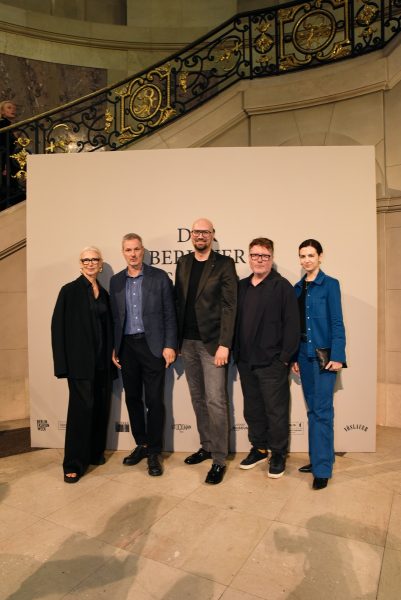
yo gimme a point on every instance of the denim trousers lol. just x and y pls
(318, 388)
(207, 386)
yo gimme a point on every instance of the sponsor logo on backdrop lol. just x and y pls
(239, 427)
(297, 428)
(356, 426)
(42, 424)
(121, 426)
(61, 425)
(170, 256)
(181, 427)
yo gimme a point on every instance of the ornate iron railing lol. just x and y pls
(261, 43)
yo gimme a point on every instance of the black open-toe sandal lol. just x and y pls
(69, 479)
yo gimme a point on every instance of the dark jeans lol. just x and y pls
(87, 419)
(266, 394)
(318, 388)
(141, 370)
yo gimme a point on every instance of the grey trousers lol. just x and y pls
(207, 386)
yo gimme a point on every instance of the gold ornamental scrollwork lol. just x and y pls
(366, 14)
(264, 41)
(147, 100)
(308, 31)
(263, 60)
(108, 120)
(367, 34)
(339, 51)
(183, 81)
(314, 31)
(21, 158)
(60, 141)
(229, 50)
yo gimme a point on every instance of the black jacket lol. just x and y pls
(275, 330)
(216, 300)
(73, 332)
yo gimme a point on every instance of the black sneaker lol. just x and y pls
(276, 466)
(253, 458)
(136, 456)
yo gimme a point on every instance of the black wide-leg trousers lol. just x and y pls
(87, 420)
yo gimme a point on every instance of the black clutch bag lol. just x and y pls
(323, 358)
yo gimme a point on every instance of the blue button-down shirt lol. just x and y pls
(133, 305)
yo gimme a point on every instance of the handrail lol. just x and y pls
(12, 249)
(262, 43)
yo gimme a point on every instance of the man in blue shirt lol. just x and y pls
(145, 340)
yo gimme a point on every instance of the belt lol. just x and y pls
(135, 336)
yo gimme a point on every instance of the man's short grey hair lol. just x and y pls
(131, 236)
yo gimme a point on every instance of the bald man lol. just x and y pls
(206, 296)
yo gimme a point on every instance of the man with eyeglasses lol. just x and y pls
(145, 339)
(206, 297)
(267, 336)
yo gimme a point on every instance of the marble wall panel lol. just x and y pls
(393, 126)
(14, 399)
(381, 182)
(37, 86)
(381, 299)
(100, 11)
(12, 226)
(393, 219)
(14, 364)
(393, 258)
(361, 118)
(393, 321)
(274, 129)
(13, 273)
(394, 180)
(13, 320)
(393, 371)
(314, 120)
(159, 13)
(238, 136)
(393, 404)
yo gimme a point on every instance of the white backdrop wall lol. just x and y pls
(287, 194)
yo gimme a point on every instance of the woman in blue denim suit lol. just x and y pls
(322, 326)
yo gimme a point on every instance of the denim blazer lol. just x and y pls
(324, 317)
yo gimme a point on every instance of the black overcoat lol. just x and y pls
(73, 332)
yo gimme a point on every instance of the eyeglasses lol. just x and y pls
(86, 261)
(263, 257)
(201, 232)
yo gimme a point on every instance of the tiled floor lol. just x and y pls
(119, 534)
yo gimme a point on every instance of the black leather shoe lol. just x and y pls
(136, 456)
(154, 466)
(305, 469)
(197, 457)
(215, 474)
(319, 483)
